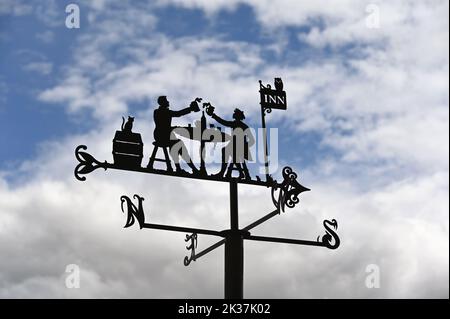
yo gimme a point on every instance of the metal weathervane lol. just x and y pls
(128, 154)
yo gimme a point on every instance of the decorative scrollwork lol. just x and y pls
(133, 211)
(193, 239)
(267, 110)
(87, 163)
(261, 86)
(289, 190)
(330, 239)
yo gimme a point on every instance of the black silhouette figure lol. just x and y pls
(165, 137)
(127, 146)
(278, 84)
(128, 126)
(236, 152)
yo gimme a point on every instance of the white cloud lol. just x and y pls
(54, 221)
(50, 13)
(176, 69)
(14, 7)
(43, 68)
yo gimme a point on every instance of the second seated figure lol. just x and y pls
(164, 135)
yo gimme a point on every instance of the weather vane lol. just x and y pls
(128, 154)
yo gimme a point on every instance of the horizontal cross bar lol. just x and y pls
(183, 229)
(262, 220)
(192, 176)
(249, 227)
(285, 240)
(209, 249)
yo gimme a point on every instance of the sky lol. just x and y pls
(366, 128)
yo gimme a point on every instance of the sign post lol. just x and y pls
(270, 99)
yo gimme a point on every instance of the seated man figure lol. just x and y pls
(238, 148)
(164, 135)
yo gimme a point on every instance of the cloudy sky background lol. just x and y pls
(366, 129)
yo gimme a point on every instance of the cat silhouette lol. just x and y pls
(128, 126)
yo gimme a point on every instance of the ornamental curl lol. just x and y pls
(193, 245)
(288, 190)
(87, 163)
(330, 239)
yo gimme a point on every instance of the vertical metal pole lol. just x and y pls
(234, 217)
(234, 251)
(266, 160)
(202, 144)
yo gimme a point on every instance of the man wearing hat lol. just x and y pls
(238, 148)
(164, 135)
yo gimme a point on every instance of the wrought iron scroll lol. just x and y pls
(330, 239)
(267, 110)
(133, 212)
(288, 190)
(87, 163)
(192, 246)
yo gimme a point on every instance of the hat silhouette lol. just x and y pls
(238, 114)
(162, 100)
